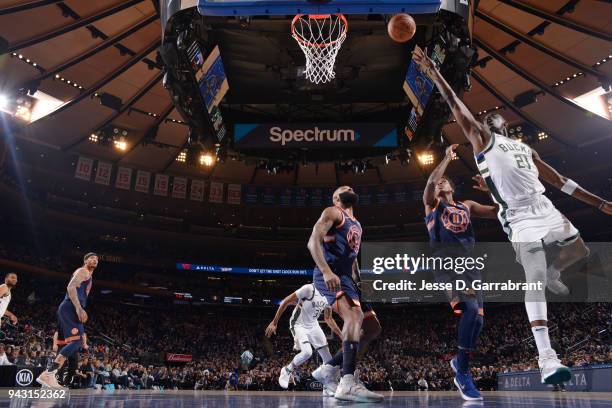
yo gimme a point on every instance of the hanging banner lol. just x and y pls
(301, 196)
(216, 193)
(251, 195)
(315, 135)
(285, 196)
(124, 178)
(83, 168)
(161, 185)
(103, 173)
(179, 187)
(143, 179)
(234, 194)
(197, 190)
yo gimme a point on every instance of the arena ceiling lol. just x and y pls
(79, 50)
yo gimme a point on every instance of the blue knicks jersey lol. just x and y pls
(450, 224)
(81, 293)
(341, 244)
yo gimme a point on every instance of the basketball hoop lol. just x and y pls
(320, 37)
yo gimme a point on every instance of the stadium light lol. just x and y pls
(120, 144)
(3, 101)
(206, 159)
(426, 158)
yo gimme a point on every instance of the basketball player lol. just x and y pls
(334, 246)
(511, 171)
(71, 316)
(304, 327)
(10, 280)
(451, 234)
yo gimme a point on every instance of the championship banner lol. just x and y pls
(161, 185)
(124, 178)
(213, 85)
(179, 187)
(178, 358)
(216, 192)
(83, 168)
(234, 194)
(315, 135)
(103, 173)
(143, 179)
(251, 195)
(197, 190)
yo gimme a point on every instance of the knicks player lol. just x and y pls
(334, 246)
(71, 316)
(512, 171)
(451, 234)
(10, 280)
(304, 327)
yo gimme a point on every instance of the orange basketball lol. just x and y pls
(401, 27)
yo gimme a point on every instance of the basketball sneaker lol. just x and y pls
(351, 390)
(285, 376)
(47, 379)
(328, 376)
(551, 369)
(465, 383)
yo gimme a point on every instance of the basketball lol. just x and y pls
(401, 28)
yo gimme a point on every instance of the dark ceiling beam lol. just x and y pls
(528, 76)
(543, 48)
(73, 26)
(507, 102)
(121, 110)
(555, 18)
(158, 121)
(91, 52)
(104, 81)
(27, 6)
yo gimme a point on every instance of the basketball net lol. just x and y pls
(320, 37)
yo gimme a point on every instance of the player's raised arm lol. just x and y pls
(429, 194)
(569, 186)
(330, 217)
(78, 277)
(477, 135)
(271, 329)
(329, 320)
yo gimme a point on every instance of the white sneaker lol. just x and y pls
(285, 376)
(557, 287)
(351, 390)
(328, 376)
(328, 393)
(48, 380)
(551, 369)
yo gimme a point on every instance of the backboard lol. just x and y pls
(293, 7)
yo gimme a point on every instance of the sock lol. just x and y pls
(463, 360)
(349, 357)
(336, 360)
(540, 334)
(325, 354)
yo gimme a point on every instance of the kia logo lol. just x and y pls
(24, 377)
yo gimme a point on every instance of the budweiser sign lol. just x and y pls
(178, 358)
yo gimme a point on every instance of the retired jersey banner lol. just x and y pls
(103, 173)
(84, 168)
(197, 190)
(251, 194)
(314, 135)
(124, 178)
(143, 180)
(161, 185)
(234, 194)
(216, 192)
(179, 187)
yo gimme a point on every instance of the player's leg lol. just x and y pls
(304, 355)
(371, 328)
(469, 328)
(532, 257)
(573, 249)
(325, 373)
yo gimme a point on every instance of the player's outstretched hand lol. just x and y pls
(450, 151)
(420, 57)
(606, 208)
(82, 316)
(332, 281)
(480, 183)
(271, 330)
